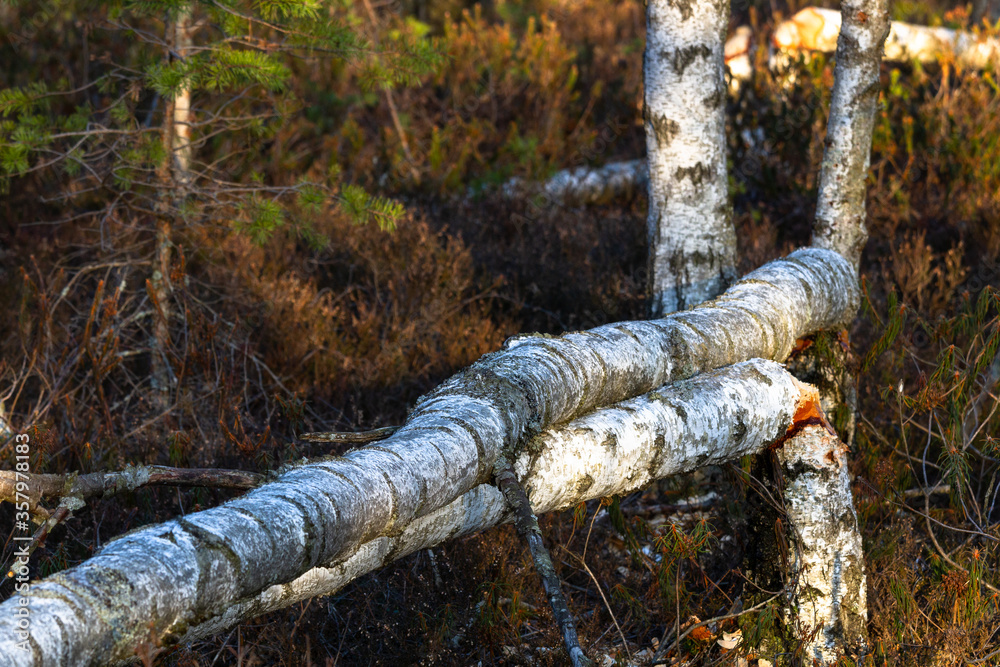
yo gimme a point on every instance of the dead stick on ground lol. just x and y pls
(103, 484)
(350, 437)
(63, 512)
(527, 525)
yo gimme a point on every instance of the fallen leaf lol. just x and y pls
(730, 640)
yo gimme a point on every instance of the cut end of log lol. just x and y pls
(808, 412)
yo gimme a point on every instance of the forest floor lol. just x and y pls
(283, 339)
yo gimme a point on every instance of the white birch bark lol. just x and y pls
(840, 209)
(165, 579)
(825, 546)
(816, 29)
(585, 186)
(712, 418)
(692, 243)
(831, 596)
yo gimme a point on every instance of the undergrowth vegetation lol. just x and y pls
(344, 326)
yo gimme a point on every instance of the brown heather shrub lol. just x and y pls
(927, 280)
(503, 95)
(375, 319)
(510, 100)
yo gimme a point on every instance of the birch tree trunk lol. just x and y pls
(824, 546)
(163, 580)
(840, 209)
(174, 181)
(829, 602)
(691, 237)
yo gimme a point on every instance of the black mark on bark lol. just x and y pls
(682, 58)
(698, 173)
(685, 7)
(664, 129)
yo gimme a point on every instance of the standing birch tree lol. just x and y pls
(825, 547)
(692, 244)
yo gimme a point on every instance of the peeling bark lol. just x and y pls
(840, 209)
(816, 29)
(826, 362)
(164, 579)
(825, 546)
(692, 242)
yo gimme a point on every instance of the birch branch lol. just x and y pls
(529, 530)
(840, 208)
(162, 580)
(104, 484)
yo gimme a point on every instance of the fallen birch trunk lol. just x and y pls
(815, 29)
(161, 581)
(584, 186)
(713, 418)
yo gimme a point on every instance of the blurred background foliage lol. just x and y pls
(342, 246)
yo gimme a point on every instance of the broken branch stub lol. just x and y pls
(825, 550)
